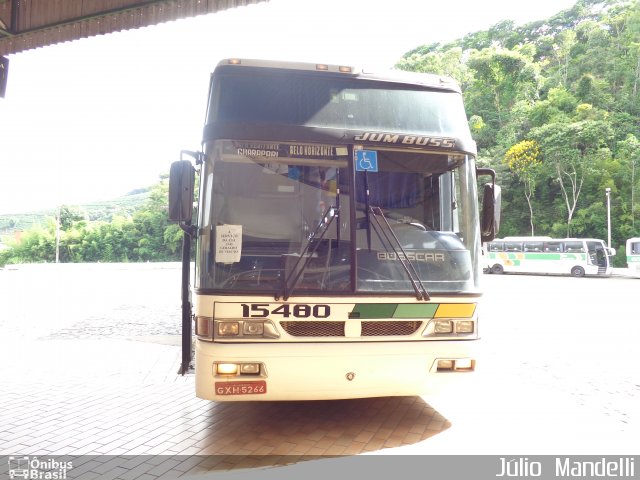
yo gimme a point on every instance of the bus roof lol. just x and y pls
(524, 239)
(397, 76)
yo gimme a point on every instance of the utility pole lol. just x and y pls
(58, 235)
(608, 193)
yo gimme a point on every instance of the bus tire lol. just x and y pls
(577, 271)
(497, 269)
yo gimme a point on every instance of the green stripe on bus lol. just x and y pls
(375, 310)
(542, 256)
(394, 310)
(416, 310)
(538, 256)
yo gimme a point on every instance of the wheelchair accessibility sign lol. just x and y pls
(366, 161)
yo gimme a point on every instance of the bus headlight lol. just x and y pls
(464, 364)
(245, 329)
(465, 326)
(443, 325)
(226, 368)
(236, 369)
(445, 365)
(455, 365)
(440, 328)
(249, 368)
(252, 328)
(228, 329)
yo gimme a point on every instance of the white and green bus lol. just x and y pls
(338, 234)
(546, 255)
(633, 256)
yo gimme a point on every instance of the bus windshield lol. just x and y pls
(297, 218)
(280, 97)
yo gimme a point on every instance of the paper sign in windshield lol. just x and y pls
(228, 243)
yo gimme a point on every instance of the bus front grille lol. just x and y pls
(391, 328)
(314, 329)
(337, 329)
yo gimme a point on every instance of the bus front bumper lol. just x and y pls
(323, 371)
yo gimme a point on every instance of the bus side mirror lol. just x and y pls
(181, 180)
(490, 215)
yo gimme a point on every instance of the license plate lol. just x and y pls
(255, 387)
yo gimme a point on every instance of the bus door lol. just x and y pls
(598, 254)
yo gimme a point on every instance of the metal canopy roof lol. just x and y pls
(27, 24)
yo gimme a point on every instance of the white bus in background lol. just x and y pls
(633, 256)
(546, 255)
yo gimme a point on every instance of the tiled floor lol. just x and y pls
(98, 382)
(123, 397)
(88, 368)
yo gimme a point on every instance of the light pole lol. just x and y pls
(58, 234)
(608, 192)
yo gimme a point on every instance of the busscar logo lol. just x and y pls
(38, 469)
(426, 257)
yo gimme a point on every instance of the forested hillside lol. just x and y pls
(100, 211)
(554, 106)
(133, 229)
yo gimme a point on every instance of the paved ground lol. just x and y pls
(98, 379)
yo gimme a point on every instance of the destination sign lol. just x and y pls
(280, 150)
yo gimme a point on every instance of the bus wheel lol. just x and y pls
(577, 272)
(497, 269)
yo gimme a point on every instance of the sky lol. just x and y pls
(96, 118)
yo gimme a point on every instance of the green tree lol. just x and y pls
(572, 83)
(629, 153)
(35, 246)
(573, 150)
(523, 159)
(502, 77)
(68, 215)
(558, 107)
(565, 41)
(433, 60)
(146, 236)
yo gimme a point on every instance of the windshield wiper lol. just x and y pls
(393, 241)
(307, 253)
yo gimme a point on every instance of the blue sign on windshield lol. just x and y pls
(366, 161)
